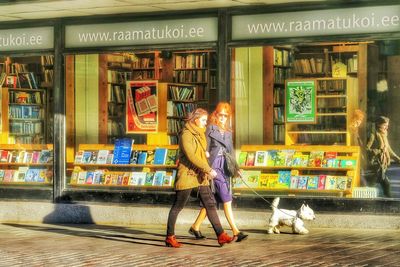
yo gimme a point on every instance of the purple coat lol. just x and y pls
(215, 141)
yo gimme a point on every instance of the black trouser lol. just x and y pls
(384, 181)
(208, 201)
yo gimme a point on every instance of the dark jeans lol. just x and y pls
(384, 181)
(206, 198)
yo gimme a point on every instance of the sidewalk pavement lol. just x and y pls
(143, 245)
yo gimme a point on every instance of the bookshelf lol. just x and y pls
(277, 169)
(25, 99)
(277, 68)
(92, 171)
(339, 70)
(181, 101)
(30, 164)
(146, 65)
(198, 68)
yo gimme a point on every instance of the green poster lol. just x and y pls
(300, 101)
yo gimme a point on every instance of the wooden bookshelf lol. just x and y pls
(307, 169)
(277, 67)
(336, 97)
(181, 101)
(197, 67)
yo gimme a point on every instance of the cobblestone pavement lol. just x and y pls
(95, 245)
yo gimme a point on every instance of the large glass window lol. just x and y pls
(136, 101)
(320, 110)
(26, 120)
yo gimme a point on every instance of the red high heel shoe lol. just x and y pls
(224, 238)
(171, 241)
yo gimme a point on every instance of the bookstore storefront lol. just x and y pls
(26, 112)
(320, 90)
(128, 88)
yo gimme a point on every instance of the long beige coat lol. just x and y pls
(193, 166)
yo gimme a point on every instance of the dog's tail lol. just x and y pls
(275, 203)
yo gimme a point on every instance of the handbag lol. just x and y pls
(231, 165)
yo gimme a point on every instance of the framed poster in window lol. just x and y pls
(300, 101)
(141, 107)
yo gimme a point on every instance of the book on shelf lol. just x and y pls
(261, 158)
(172, 155)
(321, 182)
(271, 156)
(160, 156)
(122, 150)
(330, 182)
(273, 180)
(102, 156)
(316, 158)
(341, 183)
(98, 176)
(82, 177)
(280, 158)
(125, 178)
(159, 178)
(251, 178)
(300, 159)
(263, 181)
(89, 177)
(302, 182)
(149, 179)
(142, 157)
(250, 160)
(283, 179)
(242, 158)
(22, 171)
(150, 157)
(86, 155)
(2, 175)
(294, 180)
(312, 182)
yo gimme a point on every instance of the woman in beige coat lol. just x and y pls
(193, 173)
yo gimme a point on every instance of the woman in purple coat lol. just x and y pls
(219, 140)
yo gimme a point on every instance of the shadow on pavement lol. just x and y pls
(112, 233)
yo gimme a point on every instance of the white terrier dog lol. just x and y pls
(291, 218)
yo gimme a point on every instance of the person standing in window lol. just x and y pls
(194, 172)
(219, 142)
(380, 153)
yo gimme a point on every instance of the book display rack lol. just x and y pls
(299, 170)
(125, 165)
(26, 165)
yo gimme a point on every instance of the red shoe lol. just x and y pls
(224, 238)
(171, 241)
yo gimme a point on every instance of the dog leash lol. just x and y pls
(255, 192)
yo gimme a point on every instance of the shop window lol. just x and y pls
(26, 120)
(139, 98)
(319, 94)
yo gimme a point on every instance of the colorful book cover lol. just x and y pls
(31, 175)
(2, 175)
(300, 159)
(45, 156)
(283, 179)
(289, 157)
(330, 182)
(8, 175)
(316, 158)
(86, 156)
(242, 158)
(125, 178)
(302, 183)
(20, 157)
(332, 163)
(15, 176)
(114, 178)
(341, 183)
(102, 156)
(273, 180)
(82, 177)
(321, 182)
(107, 178)
(4, 156)
(271, 156)
(329, 159)
(167, 180)
(294, 180)
(110, 158)
(120, 178)
(150, 157)
(160, 155)
(312, 182)
(263, 181)
(149, 179)
(280, 159)
(93, 157)
(74, 176)
(89, 177)
(251, 156)
(159, 178)
(21, 174)
(122, 150)
(251, 178)
(98, 176)
(142, 157)
(171, 157)
(134, 157)
(35, 156)
(238, 183)
(348, 163)
(261, 158)
(349, 182)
